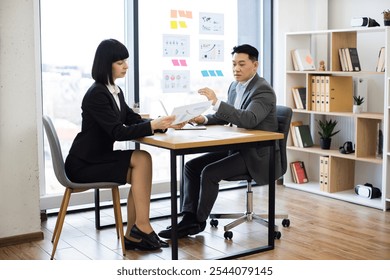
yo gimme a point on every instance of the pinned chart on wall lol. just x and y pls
(211, 50)
(176, 45)
(211, 23)
(175, 81)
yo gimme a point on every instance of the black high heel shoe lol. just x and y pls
(145, 242)
(139, 245)
(163, 243)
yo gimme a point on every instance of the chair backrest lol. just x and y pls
(284, 115)
(56, 153)
(58, 161)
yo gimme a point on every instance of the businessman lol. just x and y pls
(251, 104)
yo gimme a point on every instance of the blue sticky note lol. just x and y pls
(212, 73)
(219, 73)
(205, 73)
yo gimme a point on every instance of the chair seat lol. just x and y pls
(96, 185)
(243, 177)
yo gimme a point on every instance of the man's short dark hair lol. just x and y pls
(107, 52)
(252, 52)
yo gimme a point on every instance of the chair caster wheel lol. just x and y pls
(286, 223)
(277, 235)
(214, 223)
(228, 235)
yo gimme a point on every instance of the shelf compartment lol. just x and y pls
(366, 137)
(341, 40)
(335, 153)
(347, 195)
(341, 174)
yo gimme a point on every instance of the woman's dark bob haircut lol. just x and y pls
(108, 52)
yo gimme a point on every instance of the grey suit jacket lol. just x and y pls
(257, 111)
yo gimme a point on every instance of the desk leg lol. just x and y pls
(271, 198)
(181, 183)
(174, 207)
(97, 209)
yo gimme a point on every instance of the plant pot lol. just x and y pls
(386, 22)
(357, 109)
(325, 143)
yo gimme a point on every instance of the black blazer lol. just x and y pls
(257, 111)
(103, 124)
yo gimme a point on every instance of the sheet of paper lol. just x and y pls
(187, 112)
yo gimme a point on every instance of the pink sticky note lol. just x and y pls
(173, 13)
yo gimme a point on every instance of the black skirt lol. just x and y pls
(110, 167)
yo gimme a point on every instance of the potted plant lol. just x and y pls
(326, 132)
(357, 107)
(386, 17)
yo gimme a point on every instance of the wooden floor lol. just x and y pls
(321, 229)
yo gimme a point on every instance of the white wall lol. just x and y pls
(291, 16)
(19, 179)
(341, 12)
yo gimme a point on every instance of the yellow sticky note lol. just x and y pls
(173, 24)
(182, 24)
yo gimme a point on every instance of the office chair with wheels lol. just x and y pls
(71, 187)
(284, 115)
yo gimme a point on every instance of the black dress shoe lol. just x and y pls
(202, 226)
(142, 241)
(182, 231)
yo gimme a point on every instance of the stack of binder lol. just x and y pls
(331, 93)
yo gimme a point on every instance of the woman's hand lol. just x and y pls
(179, 125)
(162, 122)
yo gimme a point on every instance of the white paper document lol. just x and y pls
(192, 126)
(186, 112)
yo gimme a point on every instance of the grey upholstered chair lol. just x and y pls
(284, 115)
(71, 187)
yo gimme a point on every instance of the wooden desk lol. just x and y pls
(215, 138)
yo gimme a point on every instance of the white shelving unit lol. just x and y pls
(363, 166)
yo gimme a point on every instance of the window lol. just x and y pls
(69, 37)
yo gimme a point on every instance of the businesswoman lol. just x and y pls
(106, 118)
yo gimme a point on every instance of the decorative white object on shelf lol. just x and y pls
(357, 109)
(360, 89)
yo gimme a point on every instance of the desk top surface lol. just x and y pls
(214, 135)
